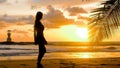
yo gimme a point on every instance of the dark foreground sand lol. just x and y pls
(64, 63)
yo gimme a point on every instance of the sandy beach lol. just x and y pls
(64, 63)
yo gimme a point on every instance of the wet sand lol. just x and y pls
(63, 63)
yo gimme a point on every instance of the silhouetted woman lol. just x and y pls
(39, 37)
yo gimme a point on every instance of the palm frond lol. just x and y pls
(104, 21)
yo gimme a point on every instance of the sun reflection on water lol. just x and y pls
(84, 55)
(84, 47)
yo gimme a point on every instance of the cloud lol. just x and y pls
(80, 23)
(62, 2)
(22, 34)
(4, 25)
(36, 4)
(3, 1)
(26, 19)
(83, 18)
(19, 31)
(55, 18)
(8, 20)
(75, 10)
(20, 20)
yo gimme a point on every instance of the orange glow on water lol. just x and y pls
(84, 55)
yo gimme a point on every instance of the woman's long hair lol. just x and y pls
(39, 16)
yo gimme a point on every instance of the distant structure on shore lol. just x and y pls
(9, 36)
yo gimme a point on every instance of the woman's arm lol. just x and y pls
(35, 35)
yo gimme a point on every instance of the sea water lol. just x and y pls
(59, 51)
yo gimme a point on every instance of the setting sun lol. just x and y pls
(82, 33)
(68, 33)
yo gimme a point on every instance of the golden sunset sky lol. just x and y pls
(64, 20)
